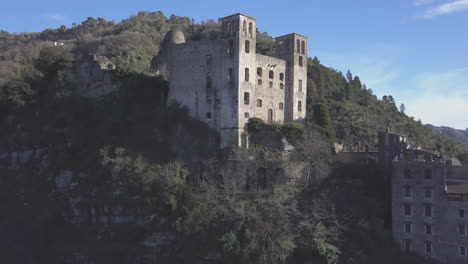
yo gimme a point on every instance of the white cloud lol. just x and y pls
(446, 9)
(54, 16)
(440, 98)
(423, 2)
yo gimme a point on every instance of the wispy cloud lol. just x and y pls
(55, 16)
(445, 9)
(440, 98)
(423, 2)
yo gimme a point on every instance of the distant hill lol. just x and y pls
(458, 135)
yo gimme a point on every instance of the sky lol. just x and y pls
(414, 50)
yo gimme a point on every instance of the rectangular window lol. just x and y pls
(230, 74)
(259, 103)
(407, 227)
(428, 247)
(208, 99)
(270, 84)
(300, 85)
(299, 106)
(428, 210)
(461, 213)
(281, 106)
(300, 61)
(246, 115)
(271, 74)
(462, 229)
(259, 81)
(208, 115)
(427, 174)
(462, 251)
(247, 74)
(281, 86)
(230, 46)
(407, 209)
(259, 72)
(428, 229)
(407, 245)
(408, 191)
(246, 98)
(427, 192)
(407, 173)
(247, 46)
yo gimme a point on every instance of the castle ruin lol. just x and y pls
(225, 82)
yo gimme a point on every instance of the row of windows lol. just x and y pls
(408, 210)
(408, 173)
(260, 102)
(408, 191)
(271, 74)
(408, 247)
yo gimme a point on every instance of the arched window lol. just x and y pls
(250, 29)
(244, 26)
(281, 86)
(247, 46)
(270, 85)
(303, 47)
(300, 85)
(271, 74)
(299, 106)
(298, 46)
(300, 61)
(281, 76)
(246, 98)
(281, 106)
(270, 115)
(247, 74)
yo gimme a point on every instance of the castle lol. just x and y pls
(224, 82)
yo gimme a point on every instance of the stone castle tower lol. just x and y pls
(225, 82)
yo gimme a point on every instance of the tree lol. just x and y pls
(402, 108)
(349, 76)
(391, 100)
(321, 117)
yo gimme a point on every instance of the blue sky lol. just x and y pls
(415, 50)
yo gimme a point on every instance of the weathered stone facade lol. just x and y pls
(430, 209)
(225, 82)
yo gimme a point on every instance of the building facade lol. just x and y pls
(224, 82)
(430, 209)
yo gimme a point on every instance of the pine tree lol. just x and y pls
(402, 108)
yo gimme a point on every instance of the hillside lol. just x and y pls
(86, 133)
(458, 135)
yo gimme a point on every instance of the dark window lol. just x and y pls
(270, 115)
(407, 246)
(271, 74)
(407, 209)
(461, 229)
(462, 251)
(299, 106)
(281, 106)
(300, 85)
(230, 74)
(428, 230)
(244, 26)
(246, 115)
(247, 46)
(281, 76)
(427, 174)
(230, 46)
(246, 98)
(303, 47)
(461, 213)
(281, 86)
(259, 103)
(298, 46)
(300, 61)
(259, 71)
(428, 247)
(246, 74)
(428, 210)
(208, 115)
(408, 227)
(408, 191)
(250, 28)
(208, 99)
(208, 82)
(209, 59)
(407, 173)
(270, 84)
(259, 81)
(427, 192)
